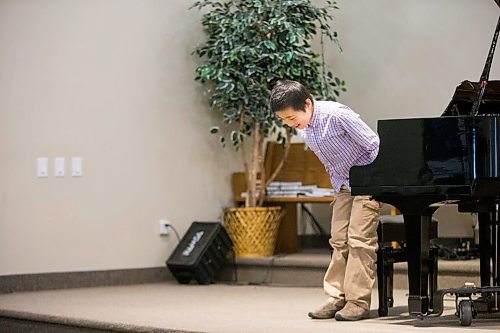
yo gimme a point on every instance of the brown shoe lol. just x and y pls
(352, 311)
(327, 310)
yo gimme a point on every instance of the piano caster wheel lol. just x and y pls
(465, 312)
(390, 302)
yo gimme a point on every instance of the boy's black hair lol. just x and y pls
(288, 93)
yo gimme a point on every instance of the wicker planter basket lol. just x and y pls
(253, 230)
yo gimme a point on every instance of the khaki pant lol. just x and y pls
(351, 273)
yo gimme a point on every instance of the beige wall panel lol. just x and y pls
(112, 81)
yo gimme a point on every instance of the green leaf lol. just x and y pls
(270, 45)
(206, 71)
(214, 129)
(234, 136)
(222, 85)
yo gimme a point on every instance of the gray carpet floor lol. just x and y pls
(216, 308)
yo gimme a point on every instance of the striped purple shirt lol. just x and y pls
(340, 139)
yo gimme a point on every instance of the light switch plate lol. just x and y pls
(59, 166)
(42, 167)
(76, 167)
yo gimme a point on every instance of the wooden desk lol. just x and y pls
(301, 165)
(287, 240)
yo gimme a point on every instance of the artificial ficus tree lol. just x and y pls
(249, 46)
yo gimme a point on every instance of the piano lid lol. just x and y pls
(466, 94)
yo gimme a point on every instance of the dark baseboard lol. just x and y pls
(65, 280)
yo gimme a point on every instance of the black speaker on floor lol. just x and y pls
(200, 253)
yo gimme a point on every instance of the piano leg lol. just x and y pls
(489, 235)
(495, 234)
(417, 238)
(485, 247)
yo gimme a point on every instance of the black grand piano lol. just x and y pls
(423, 162)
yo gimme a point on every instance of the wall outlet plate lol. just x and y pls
(42, 167)
(76, 166)
(59, 167)
(165, 227)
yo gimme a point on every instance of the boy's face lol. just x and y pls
(297, 118)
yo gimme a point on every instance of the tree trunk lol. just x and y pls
(266, 181)
(251, 199)
(256, 197)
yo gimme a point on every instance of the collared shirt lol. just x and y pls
(340, 139)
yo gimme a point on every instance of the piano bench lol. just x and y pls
(391, 229)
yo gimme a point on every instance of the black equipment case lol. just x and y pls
(200, 253)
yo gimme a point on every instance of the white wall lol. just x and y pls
(112, 81)
(404, 58)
